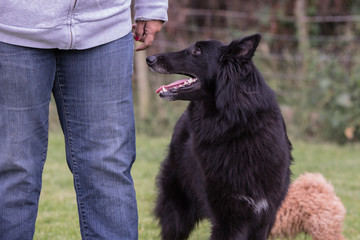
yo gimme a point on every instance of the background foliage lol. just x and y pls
(309, 55)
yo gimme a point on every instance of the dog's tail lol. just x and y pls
(311, 206)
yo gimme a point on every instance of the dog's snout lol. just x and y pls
(150, 60)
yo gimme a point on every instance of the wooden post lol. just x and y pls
(302, 34)
(141, 76)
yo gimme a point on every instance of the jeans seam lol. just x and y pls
(44, 154)
(71, 155)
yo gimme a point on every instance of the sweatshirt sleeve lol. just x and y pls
(151, 10)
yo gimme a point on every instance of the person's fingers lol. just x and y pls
(139, 29)
(151, 28)
(147, 42)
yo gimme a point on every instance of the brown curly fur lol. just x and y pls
(311, 206)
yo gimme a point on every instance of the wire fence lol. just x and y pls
(227, 16)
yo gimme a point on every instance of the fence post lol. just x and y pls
(302, 34)
(141, 76)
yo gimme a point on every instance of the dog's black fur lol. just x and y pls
(229, 156)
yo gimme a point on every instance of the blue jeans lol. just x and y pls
(93, 93)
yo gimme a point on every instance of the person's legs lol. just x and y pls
(26, 80)
(94, 97)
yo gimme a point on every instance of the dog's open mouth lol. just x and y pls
(179, 85)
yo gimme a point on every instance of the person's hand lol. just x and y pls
(145, 31)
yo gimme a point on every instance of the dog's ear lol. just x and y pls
(244, 47)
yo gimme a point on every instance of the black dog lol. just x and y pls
(229, 156)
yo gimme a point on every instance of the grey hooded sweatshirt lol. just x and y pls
(72, 24)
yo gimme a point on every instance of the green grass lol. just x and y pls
(57, 218)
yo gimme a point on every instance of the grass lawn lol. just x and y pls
(57, 218)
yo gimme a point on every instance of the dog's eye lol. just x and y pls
(196, 51)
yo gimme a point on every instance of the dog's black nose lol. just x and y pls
(150, 60)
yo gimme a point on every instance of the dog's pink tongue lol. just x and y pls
(172, 85)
